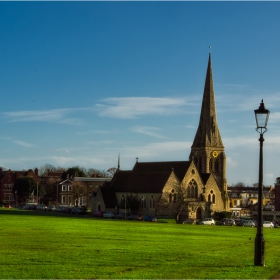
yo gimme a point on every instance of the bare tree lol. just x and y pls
(79, 191)
(175, 201)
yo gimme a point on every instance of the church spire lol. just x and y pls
(208, 134)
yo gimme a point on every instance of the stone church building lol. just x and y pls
(195, 188)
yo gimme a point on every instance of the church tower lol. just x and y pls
(207, 151)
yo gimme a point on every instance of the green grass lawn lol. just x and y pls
(39, 245)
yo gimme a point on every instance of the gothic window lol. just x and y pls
(152, 202)
(192, 189)
(170, 197)
(212, 197)
(216, 165)
(142, 202)
(210, 165)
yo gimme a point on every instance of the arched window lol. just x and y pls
(152, 202)
(170, 197)
(212, 197)
(192, 189)
(210, 165)
(216, 165)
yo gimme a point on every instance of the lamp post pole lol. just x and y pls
(261, 115)
(259, 240)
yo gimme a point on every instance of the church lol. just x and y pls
(196, 188)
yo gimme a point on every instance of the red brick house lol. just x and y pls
(8, 178)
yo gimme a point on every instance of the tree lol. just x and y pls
(92, 172)
(45, 169)
(24, 186)
(75, 171)
(78, 191)
(176, 201)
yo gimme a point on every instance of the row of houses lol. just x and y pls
(74, 191)
(150, 182)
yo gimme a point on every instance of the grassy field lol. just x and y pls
(38, 245)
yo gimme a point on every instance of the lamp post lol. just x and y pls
(261, 115)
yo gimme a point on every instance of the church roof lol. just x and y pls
(180, 167)
(205, 177)
(140, 182)
(208, 134)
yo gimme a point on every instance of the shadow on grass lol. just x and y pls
(18, 212)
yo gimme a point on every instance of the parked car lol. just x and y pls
(249, 223)
(276, 225)
(67, 209)
(109, 215)
(120, 216)
(268, 224)
(186, 221)
(134, 217)
(226, 222)
(240, 222)
(79, 210)
(41, 207)
(150, 219)
(30, 207)
(207, 221)
(50, 208)
(98, 213)
(58, 209)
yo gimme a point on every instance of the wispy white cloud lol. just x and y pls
(65, 150)
(90, 132)
(147, 130)
(55, 115)
(133, 107)
(24, 144)
(244, 98)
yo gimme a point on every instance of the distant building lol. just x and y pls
(202, 177)
(243, 200)
(8, 179)
(277, 194)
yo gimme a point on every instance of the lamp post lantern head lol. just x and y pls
(261, 115)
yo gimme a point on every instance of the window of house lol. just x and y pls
(70, 199)
(63, 199)
(9, 178)
(64, 188)
(8, 197)
(70, 188)
(8, 187)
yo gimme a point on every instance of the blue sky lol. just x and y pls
(82, 82)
